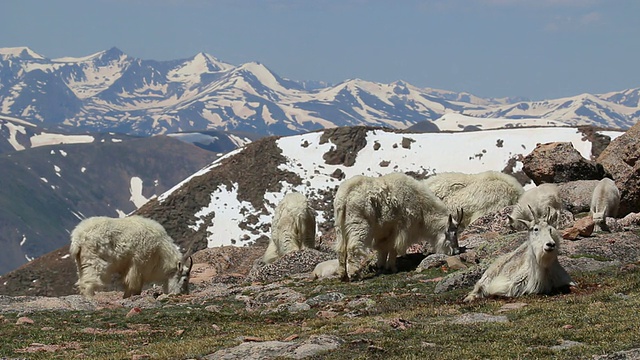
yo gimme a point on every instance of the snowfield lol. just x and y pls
(385, 152)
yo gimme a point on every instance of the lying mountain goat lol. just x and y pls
(604, 203)
(532, 268)
(477, 194)
(136, 248)
(536, 202)
(326, 269)
(293, 227)
(388, 214)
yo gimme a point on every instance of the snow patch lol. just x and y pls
(225, 229)
(135, 188)
(45, 139)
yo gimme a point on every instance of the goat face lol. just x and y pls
(179, 282)
(544, 241)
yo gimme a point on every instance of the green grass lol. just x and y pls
(602, 315)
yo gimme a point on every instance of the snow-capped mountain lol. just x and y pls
(111, 91)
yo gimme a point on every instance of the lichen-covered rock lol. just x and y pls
(312, 346)
(576, 195)
(297, 262)
(559, 162)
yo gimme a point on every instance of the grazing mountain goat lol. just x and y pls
(477, 194)
(136, 248)
(293, 227)
(604, 203)
(388, 214)
(536, 202)
(532, 268)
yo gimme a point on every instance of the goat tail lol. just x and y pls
(341, 212)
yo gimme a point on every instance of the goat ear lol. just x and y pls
(190, 265)
(554, 217)
(527, 224)
(460, 215)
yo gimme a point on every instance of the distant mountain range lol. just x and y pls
(111, 91)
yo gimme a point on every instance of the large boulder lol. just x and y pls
(620, 159)
(559, 162)
(576, 195)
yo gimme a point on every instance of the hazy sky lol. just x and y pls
(491, 48)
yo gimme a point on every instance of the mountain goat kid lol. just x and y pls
(604, 203)
(535, 203)
(388, 214)
(532, 268)
(136, 248)
(293, 227)
(477, 194)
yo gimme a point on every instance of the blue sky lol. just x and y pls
(539, 49)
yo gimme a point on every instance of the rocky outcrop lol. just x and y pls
(620, 159)
(559, 162)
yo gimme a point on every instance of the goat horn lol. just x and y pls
(535, 218)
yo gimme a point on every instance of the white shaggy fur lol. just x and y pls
(136, 248)
(293, 227)
(532, 268)
(541, 199)
(388, 214)
(477, 194)
(604, 202)
(326, 269)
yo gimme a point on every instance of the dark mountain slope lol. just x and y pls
(45, 191)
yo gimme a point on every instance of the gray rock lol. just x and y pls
(460, 279)
(325, 298)
(565, 344)
(633, 354)
(432, 261)
(576, 195)
(278, 349)
(472, 318)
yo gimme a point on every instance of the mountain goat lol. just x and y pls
(293, 227)
(532, 268)
(604, 202)
(136, 248)
(535, 203)
(477, 194)
(326, 269)
(388, 214)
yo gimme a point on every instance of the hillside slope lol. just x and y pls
(45, 191)
(231, 201)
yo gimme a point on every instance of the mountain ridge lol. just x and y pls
(112, 91)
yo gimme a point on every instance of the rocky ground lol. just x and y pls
(225, 271)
